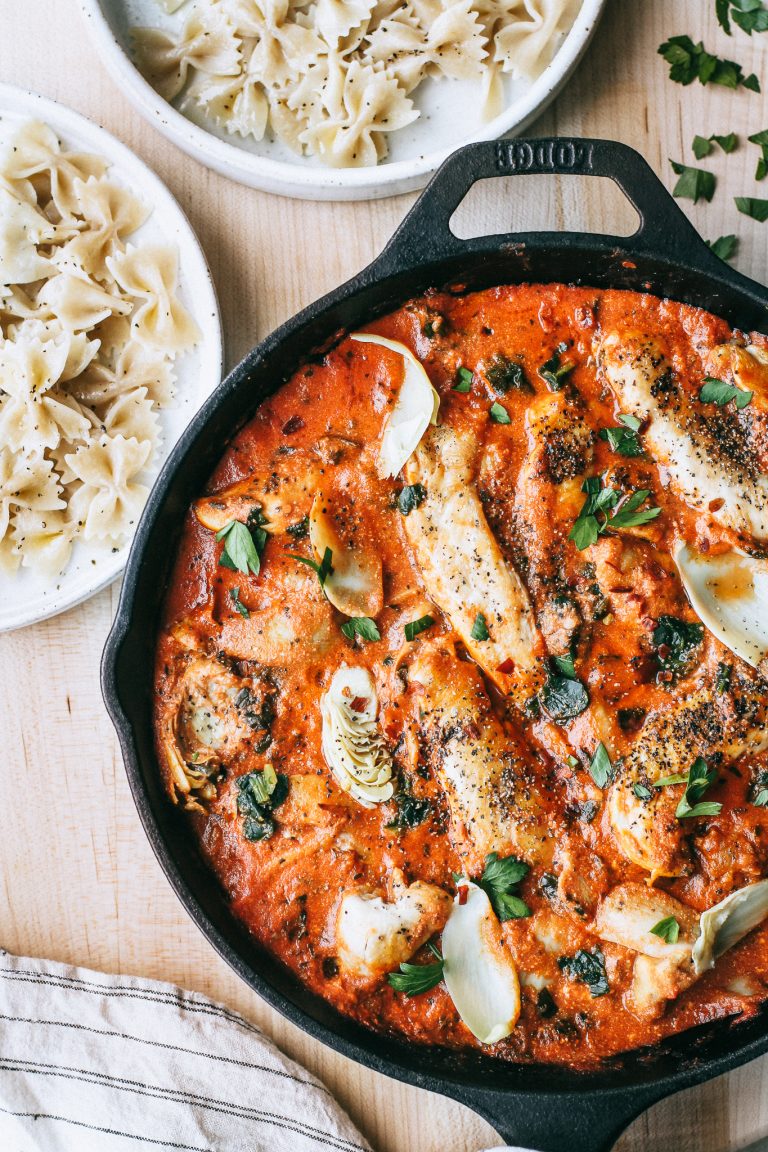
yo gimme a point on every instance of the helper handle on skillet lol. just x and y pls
(425, 235)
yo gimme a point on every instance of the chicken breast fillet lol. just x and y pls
(374, 935)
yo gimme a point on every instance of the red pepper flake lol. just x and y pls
(664, 651)
(716, 505)
(463, 891)
(295, 424)
(507, 666)
(359, 703)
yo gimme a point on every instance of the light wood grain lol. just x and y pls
(79, 882)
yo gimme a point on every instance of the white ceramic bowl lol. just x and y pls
(446, 120)
(27, 596)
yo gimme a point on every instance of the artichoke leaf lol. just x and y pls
(728, 922)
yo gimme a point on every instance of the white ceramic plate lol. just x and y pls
(448, 117)
(26, 596)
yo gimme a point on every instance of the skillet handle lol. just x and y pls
(588, 1121)
(425, 236)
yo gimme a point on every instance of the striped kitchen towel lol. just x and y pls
(97, 1063)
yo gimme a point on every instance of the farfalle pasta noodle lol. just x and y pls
(332, 78)
(90, 326)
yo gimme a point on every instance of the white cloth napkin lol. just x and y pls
(97, 1063)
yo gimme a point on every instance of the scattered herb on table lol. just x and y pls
(724, 247)
(414, 979)
(694, 183)
(480, 628)
(361, 626)
(698, 779)
(749, 15)
(555, 371)
(499, 881)
(415, 627)
(624, 439)
(600, 766)
(761, 139)
(749, 206)
(411, 496)
(688, 62)
(667, 929)
(703, 145)
(589, 967)
(720, 392)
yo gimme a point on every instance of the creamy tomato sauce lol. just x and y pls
(240, 677)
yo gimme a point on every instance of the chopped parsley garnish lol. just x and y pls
(697, 780)
(234, 595)
(323, 569)
(555, 371)
(624, 440)
(589, 967)
(676, 643)
(724, 247)
(667, 929)
(563, 696)
(720, 392)
(410, 812)
(499, 880)
(361, 626)
(411, 496)
(499, 414)
(600, 766)
(694, 183)
(243, 543)
(641, 791)
(750, 15)
(761, 139)
(688, 62)
(723, 679)
(503, 374)
(606, 508)
(703, 145)
(463, 380)
(480, 628)
(258, 794)
(416, 627)
(413, 979)
(760, 790)
(749, 206)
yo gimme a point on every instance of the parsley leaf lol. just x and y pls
(641, 791)
(667, 929)
(480, 628)
(323, 569)
(563, 696)
(499, 414)
(258, 794)
(234, 595)
(719, 392)
(701, 147)
(697, 780)
(600, 767)
(694, 183)
(411, 496)
(361, 626)
(463, 380)
(589, 967)
(243, 544)
(724, 247)
(554, 371)
(759, 790)
(605, 508)
(416, 627)
(624, 440)
(500, 877)
(688, 62)
(727, 143)
(723, 681)
(749, 206)
(414, 979)
(629, 514)
(749, 15)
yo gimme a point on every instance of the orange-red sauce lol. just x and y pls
(286, 889)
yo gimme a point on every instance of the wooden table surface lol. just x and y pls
(79, 882)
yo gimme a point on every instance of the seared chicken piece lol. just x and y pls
(657, 981)
(462, 566)
(284, 495)
(549, 495)
(483, 769)
(706, 454)
(643, 817)
(374, 935)
(208, 724)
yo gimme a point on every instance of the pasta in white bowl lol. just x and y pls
(339, 99)
(105, 352)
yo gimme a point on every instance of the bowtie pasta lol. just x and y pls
(332, 78)
(90, 326)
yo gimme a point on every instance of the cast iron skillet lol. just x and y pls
(548, 1108)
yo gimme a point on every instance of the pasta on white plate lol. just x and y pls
(90, 327)
(332, 79)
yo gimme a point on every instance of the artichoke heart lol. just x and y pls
(355, 584)
(729, 593)
(728, 922)
(415, 409)
(352, 742)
